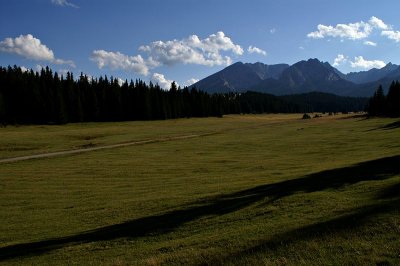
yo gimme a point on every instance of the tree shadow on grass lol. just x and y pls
(389, 126)
(390, 192)
(158, 224)
(344, 223)
(392, 125)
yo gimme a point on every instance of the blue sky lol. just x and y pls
(187, 40)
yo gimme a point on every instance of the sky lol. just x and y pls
(187, 40)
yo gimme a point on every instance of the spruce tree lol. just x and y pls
(377, 103)
(393, 100)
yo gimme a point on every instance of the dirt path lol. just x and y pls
(111, 146)
(132, 143)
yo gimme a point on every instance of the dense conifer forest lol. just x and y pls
(44, 97)
(386, 105)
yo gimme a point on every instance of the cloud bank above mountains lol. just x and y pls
(216, 49)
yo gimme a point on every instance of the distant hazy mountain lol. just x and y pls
(370, 75)
(369, 88)
(239, 77)
(301, 77)
(306, 76)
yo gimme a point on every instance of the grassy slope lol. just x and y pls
(265, 190)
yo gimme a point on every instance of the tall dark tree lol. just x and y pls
(393, 100)
(377, 103)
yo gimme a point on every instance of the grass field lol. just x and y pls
(258, 189)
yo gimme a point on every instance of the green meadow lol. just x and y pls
(245, 190)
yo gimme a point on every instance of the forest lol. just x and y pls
(45, 97)
(385, 105)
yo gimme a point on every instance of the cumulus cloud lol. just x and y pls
(393, 35)
(378, 23)
(191, 81)
(28, 47)
(24, 69)
(340, 59)
(369, 43)
(64, 3)
(272, 31)
(193, 50)
(162, 81)
(253, 49)
(117, 60)
(360, 62)
(351, 31)
(31, 48)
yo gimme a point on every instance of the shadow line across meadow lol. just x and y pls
(390, 126)
(353, 219)
(378, 169)
(393, 125)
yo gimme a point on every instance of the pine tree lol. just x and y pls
(393, 100)
(377, 103)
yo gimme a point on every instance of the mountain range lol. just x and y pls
(301, 77)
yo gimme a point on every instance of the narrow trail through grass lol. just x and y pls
(119, 145)
(91, 147)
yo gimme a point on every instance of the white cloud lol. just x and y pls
(64, 3)
(369, 43)
(28, 47)
(253, 49)
(193, 50)
(360, 62)
(216, 42)
(340, 59)
(272, 31)
(191, 81)
(351, 31)
(301, 48)
(378, 23)
(393, 35)
(117, 60)
(64, 62)
(31, 48)
(162, 81)
(24, 69)
(120, 81)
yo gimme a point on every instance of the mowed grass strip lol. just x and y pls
(270, 189)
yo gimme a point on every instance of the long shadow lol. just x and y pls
(163, 223)
(350, 221)
(388, 200)
(389, 126)
(390, 192)
(392, 125)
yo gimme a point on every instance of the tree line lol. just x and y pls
(385, 105)
(44, 97)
